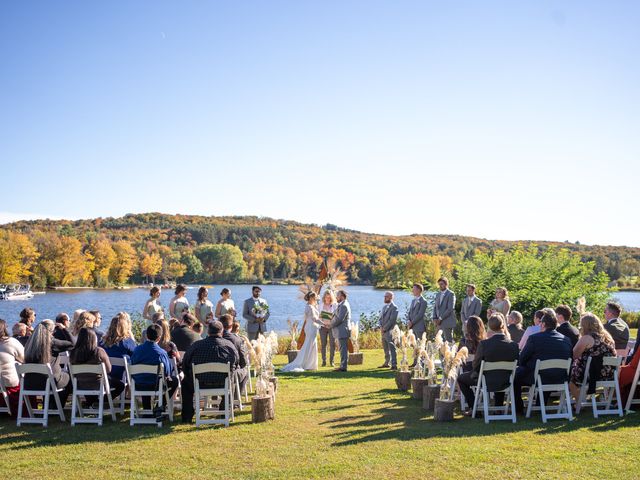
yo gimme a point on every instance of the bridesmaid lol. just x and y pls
(501, 304)
(225, 304)
(152, 306)
(204, 307)
(179, 304)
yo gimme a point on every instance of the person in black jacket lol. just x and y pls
(564, 313)
(546, 345)
(183, 335)
(241, 372)
(497, 348)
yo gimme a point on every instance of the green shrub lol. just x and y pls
(632, 318)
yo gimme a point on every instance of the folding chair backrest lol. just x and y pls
(553, 364)
(140, 368)
(98, 369)
(39, 368)
(211, 367)
(492, 366)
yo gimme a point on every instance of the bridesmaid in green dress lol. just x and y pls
(500, 304)
(179, 304)
(152, 306)
(204, 307)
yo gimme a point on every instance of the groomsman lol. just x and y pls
(471, 306)
(415, 319)
(255, 325)
(341, 325)
(388, 320)
(444, 314)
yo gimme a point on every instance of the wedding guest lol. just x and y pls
(11, 351)
(97, 323)
(236, 328)
(150, 353)
(546, 345)
(199, 328)
(417, 311)
(564, 314)
(179, 303)
(388, 320)
(119, 341)
(58, 345)
(327, 310)
(474, 334)
(183, 335)
(535, 328)
(515, 326)
(203, 307)
(340, 324)
(213, 349)
(627, 372)
(497, 348)
(38, 350)
(84, 319)
(165, 342)
(87, 352)
(19, 332)
(255, 311)
(617, 328)
(471, 306)
(594, 342)
(241, 370)
(225, 304)
(152, 306)
(501, 304)
(158, 317)
(444, 310)
(27, 317)
(61, 331)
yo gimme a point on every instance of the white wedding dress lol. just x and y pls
(307, 358)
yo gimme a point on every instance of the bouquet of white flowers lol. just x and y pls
(260, 309)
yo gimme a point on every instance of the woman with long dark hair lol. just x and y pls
(203, 307)
(473, 336)
(152, 306)
(179, 304)
(225, 304)
(28, 317)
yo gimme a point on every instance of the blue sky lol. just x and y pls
(506, 120)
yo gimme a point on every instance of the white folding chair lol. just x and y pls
(38, 415)
(139, 415)
(483, 395)
(632, 392)
(78, 413)
(610, 390)
(177, 396)
(206, 393)
(5, 397)
(121, 362)
(563, 409)
(463, 402)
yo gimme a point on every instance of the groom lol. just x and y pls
(341, 328)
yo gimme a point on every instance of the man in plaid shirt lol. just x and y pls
(214, 349)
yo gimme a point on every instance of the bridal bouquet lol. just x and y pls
(260, 309)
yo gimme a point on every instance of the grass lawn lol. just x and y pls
(329, 425)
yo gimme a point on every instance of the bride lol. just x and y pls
(307, 358)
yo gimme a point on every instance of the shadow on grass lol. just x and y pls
(397, 416)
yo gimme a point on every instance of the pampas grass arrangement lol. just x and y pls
(293, 332)
(450, 369)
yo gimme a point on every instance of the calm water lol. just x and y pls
(283, 300)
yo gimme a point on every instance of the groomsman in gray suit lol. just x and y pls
(471, 306)
(341, 327)
(388, 320)
(444, 313)
(415, 318)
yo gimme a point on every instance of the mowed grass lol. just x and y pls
(329, 425)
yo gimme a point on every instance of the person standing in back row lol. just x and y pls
(256, 312)
(388, 320)
(417, 310)
(444, 313)
(471, 306)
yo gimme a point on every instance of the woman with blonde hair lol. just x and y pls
(83, 320)
(119, 341)
(327, 309)
(165, 342)
(594, 342)
(500, 304)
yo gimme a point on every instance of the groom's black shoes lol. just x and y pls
(384, 366)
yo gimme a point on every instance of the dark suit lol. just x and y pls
(547, 345)
(495, 349)
(515, 332)
(570, 332)
(619, 330)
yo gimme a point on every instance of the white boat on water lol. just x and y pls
(17, 292)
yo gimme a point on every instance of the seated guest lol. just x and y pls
(27, 317)
(515, 326)
(87, 352)
(564, 313)
(474, 334)
(617, 328)
(83, 319)
(157, 317)
(59, 345)
(174, 323)
(595, 342)
(627, 372)
(535, 328)
(39, 350)
(165, 341)
(241, 373)
(150, 353)
(546, 345)
(119, 341)
(198, 328)
(214, 349)
(497, 348)
(61, 331)
(96, 323)
(11, 351)
(183, 335)
(19, 332)
(236, 327)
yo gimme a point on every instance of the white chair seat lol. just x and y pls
(78, 413)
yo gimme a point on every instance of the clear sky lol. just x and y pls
(503, 120)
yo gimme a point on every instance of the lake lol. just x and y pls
(283, 300)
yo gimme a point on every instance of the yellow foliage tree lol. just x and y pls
(150, 265)
(17, 256)
(125, 263)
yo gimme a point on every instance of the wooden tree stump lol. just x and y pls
(292, 354)
(403, 380)
(443, 411)
(429, 395)
(262, 409)
(417, 385)
(355, 358)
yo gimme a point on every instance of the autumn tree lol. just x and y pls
(150, 266)
(102, 258)
(222, 262)
(125, 263)
(17, 257)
